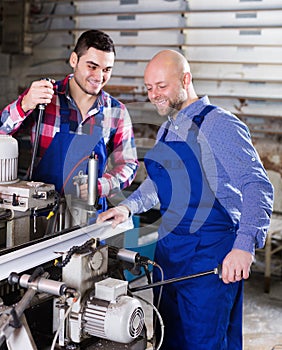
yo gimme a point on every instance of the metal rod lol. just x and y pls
(41, 108)
(92, 179)
(215, 271)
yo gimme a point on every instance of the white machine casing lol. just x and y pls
(104, 309)
(112, 314)
(8, 159)
(15, 194)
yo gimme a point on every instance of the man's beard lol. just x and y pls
(174, 106)
(92, 93)
(171, 110)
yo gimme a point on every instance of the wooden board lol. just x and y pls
(234, 37)
(248, 72)
(232, 4)
(132, 21)
(116, 6)
(236, 54)
(232, 18)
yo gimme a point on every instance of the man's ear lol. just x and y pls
(187, 78)
(73, 59)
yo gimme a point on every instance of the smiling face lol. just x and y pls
(92, 70)
(165, 84)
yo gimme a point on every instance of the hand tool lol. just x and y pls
(217, 271)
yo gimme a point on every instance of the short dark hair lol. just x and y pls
(94, 38)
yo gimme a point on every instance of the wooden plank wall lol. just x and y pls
(234, 48)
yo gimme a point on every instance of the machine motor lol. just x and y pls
(111, 314)
(104, 309)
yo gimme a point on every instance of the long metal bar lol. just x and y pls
(215, 271)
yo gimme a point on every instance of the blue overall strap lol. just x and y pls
(64, 110)
(165, 131)
(198, 119)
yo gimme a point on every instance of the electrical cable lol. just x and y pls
(62, 323)
(72, 171)
(49, 24)
(160, 293)
(147, 273)
(159, 317)
(159, 296)
(55, 206)
(161, 288)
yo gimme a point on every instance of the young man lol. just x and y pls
(215, 200)
(79, 117)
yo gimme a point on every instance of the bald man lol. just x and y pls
(215, 200)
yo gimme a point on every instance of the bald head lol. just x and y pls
(170, 59)
(169, 82)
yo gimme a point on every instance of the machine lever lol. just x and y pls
(41, 109)
(15, 322)
(215, 271)
(36, 273)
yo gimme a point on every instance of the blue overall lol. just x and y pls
(68, 154)
(195, 235)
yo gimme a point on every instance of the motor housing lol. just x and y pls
(9, 153)
(120, 320)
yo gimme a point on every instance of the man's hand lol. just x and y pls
(236, 265)
(118, 214)
(40, 92)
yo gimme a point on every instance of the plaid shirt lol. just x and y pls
(117, 132)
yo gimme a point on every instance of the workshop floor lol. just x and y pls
(262, 314)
